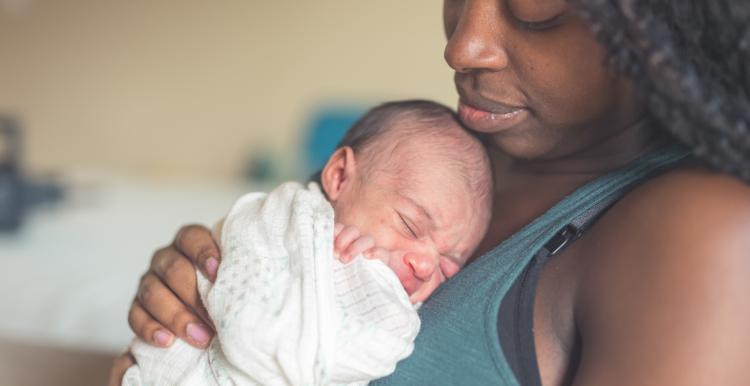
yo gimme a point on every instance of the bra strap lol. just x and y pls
(575, 229)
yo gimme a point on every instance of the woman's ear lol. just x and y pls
(339, 172)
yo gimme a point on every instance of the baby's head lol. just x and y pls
(409, 175)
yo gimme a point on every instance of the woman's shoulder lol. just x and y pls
(686, 212)
(689, 211)
(666, 272)
(691, 201)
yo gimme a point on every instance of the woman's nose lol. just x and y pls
(476, 41)
(422, 264)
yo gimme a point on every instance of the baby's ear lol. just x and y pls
(339, 172)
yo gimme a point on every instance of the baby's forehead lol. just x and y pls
(441, 141)
(439, 166)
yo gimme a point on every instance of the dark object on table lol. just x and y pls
(16, 193)
(11, 204)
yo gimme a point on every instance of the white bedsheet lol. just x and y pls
(68, 277)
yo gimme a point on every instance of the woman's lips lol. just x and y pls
(488, 121)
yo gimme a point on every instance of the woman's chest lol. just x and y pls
(556, 336)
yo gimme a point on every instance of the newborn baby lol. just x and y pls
(413, 189)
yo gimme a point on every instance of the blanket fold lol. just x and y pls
(286, 311)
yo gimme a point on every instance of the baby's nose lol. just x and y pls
(422, 265)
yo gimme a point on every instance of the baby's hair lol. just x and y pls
(439, 129)
(378, 120)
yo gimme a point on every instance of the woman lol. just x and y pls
(654, 291)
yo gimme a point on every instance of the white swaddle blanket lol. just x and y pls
(286, 311)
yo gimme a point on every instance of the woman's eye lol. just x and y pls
(540, 25)
(537, 15)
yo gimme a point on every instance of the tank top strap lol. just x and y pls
(560, 225)
(459, 342)
(576, 211)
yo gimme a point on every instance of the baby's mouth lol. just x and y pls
(405, 275)
(411, 284)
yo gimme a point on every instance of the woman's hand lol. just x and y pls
(119, 367)
(167, 304)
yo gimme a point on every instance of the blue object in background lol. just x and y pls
(327, 126)
(18, 193)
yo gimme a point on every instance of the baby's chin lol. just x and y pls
(419, 297)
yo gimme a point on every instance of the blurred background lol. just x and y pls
(122, 120)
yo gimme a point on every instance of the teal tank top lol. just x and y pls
(459, 343)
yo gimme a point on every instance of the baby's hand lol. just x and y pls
(348, 242)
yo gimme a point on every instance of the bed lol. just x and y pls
(68, 276)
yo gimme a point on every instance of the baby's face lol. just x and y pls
(423, 214)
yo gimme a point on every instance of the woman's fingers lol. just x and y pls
(196, 242)
(167, 304)
(147, 328)
(155, 302)
(177, 273)
(119, 367)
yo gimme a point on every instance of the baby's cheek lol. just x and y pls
(449, 268)
(383, 235)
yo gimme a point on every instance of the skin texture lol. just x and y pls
(653, 293)
(555, 76)
(409, 211)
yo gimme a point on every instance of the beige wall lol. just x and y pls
(189, 87)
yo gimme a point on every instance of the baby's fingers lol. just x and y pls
(337, 229)
(359, 246)
(345, 238)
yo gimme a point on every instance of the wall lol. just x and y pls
(189, 88)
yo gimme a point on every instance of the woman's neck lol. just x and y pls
(594, 158)
(525, 189)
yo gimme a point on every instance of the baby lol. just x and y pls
(414, 190)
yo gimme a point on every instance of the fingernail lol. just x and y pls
(162, 338)
(211, 266)
(198, 333)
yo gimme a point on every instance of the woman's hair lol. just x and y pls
(689, 61)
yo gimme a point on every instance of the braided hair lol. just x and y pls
(689, 61)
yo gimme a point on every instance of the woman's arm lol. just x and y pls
(666, 300)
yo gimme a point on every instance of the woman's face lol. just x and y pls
(531, 75)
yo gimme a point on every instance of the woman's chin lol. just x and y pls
(521, 146)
